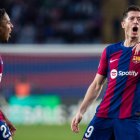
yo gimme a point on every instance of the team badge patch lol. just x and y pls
(136, 59)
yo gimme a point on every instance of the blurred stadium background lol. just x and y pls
(51, 59)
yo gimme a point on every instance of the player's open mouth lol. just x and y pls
(135, 29)
(9, 34)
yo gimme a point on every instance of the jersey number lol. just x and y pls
(3, 129)
(89, 131)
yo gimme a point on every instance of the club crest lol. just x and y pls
(136, 59)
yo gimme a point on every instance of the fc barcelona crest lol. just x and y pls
(136, 59)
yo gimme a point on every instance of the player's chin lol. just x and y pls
(134, 36)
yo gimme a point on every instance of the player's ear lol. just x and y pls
(123, 24)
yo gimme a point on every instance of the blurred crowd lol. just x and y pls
(55, 21)
(65, 21)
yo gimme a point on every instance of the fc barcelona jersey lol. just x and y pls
(122, 69)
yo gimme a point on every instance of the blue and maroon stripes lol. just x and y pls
(136, 101)
(122, 95)
(123, 65)
(127, 101)
(104, 107)
(103, 65)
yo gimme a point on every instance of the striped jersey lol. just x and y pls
(122, 69)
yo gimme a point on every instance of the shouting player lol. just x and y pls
(7, 129)
(118, 115)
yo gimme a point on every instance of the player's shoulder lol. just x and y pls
(114, 45)
(112, 48)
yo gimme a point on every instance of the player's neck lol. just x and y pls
(131, 42)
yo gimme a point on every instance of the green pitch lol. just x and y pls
(47, 132)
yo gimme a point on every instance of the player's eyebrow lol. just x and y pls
(138, 17)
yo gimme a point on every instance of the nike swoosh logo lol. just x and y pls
(113, 60)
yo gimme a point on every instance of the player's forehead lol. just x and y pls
(133, 14)
(6, 17)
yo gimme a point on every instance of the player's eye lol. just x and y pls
(131, 18)
(138, 19)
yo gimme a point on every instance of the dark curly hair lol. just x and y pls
(2, 12)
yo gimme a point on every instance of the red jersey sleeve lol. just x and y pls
(103, 65)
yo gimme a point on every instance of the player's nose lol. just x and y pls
(136, 20)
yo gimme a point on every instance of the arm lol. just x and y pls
(10, 125)
(91, 95)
